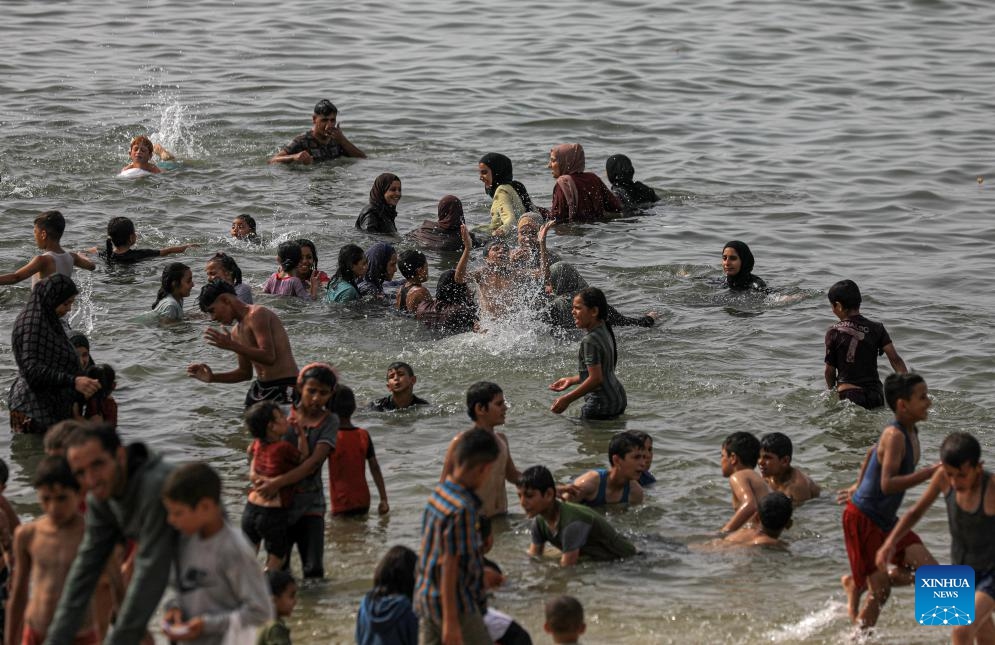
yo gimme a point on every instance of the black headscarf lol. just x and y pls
(632, 193)
(501, 173)
(744, 279)
(379, 216)
(46, 361)
(620, 171)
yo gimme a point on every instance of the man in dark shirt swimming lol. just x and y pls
(324, 142)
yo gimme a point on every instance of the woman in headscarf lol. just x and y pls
(578, 196)
(49, 378)
(511, 199)
(632, 194)
(381, 264)
(453, 309)
(380, 213)
(564, 283)
(443, 234)
(737, 264)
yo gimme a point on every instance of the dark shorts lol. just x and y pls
(863, 397)
(280, 390)
(261, 523)
(984, 581)
(863, 538)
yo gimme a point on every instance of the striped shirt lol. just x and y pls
(449, 526)
(596, 348)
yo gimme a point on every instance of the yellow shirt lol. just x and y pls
(506, 208)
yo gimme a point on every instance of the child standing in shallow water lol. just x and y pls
(286, 281)
(347, 466)
(176, 284)
(604, 396)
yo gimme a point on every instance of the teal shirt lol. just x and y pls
(341, 291)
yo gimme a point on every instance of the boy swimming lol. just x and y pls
(740, 452)
(780, 475)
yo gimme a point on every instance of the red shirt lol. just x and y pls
(347, 470)
(274, 459)
(594, 199)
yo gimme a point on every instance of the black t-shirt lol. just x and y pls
(131, 256)
(387, 404)
(318, 151)
(852, 347)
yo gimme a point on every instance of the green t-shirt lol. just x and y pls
(582, 528)
(275, 632)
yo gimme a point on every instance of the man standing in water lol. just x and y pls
(323, 142)
(259, 340)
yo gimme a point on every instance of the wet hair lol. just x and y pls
(774, 510)
(594, 297)
(777, 443)
(79, 339)
(190, 483)
(56, 436)
(143, 141)
(410, 261)
(349, 255)
(228, 263)
(401, 365)
(395, 574)
(476, 447)
(258, 417)
(480, 393)
(54, 470)
(119, 232)
(343, 402)
(289, 255)
(104, 433)
(960, 448)
(621, 444)
(564, 614)
(248, 219)
(899, 386)
(4, 472)
(845, 292)
(212, 291)
(537, 478)
(324, 107)
(107, 377)
(319, 372)
(745, 446)
(279, 581)
(306, 243)
(53, 223)
(171, 278)
(642, 436)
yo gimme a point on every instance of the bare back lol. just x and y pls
(261, 328)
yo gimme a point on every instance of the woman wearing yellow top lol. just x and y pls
(511, 199)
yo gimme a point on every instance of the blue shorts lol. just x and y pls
(984, 581)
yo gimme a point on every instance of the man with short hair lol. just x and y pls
(323, 142)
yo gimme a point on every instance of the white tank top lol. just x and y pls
(63, 265)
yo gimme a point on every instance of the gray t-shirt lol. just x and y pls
(309, 494)
(596, 348)
(217, 577)
(169, 308)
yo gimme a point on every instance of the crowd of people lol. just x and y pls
(118, 522)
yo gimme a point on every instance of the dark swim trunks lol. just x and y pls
(863, 397)
(984, 581)
(281, 390)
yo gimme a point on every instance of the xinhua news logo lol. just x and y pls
(945, 594)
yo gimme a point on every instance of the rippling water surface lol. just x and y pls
(841, 140)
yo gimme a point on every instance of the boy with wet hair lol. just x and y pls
(618, 484)
(141, 151)
(323, 142)
(48, 230)
(852, 349)
(646, 478)
(565, 620)
(44, 551)
(780, 475)
(740, 452)
(218, 585)
(872, 510)
(449, 593)
(969, 492)
(401, 381)
(486, 406)
(574, 529)
(774, 511)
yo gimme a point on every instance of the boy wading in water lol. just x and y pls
(872, 510)
(258, 339)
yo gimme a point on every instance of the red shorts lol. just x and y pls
(31, 637)
(863, 538)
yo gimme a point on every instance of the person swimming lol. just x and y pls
(443, 234)
(737, 264)
(632, 194)
(381, 264)
(564, 283)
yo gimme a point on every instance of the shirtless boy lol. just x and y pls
(44, 551)
(486, 407)
(495, 279)
(49, 227)
(258, 339)
(852, 349)
(780, 475)
(141, 150)
(618, 484)
(872, 511)
(740, 452)
(774, 511)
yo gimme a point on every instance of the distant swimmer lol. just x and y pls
(737, 265)
(632, 194)
(141, 152)
(578, 196)
(243, 227)
(323, 142)
(121, 239)
(258, 339)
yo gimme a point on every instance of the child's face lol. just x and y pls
(307, 262)
(533, 502)
(40, 236)
(393, 193)
(422, 274)
(497, 255)
(494, 413)
(188, 519)
(186, 284)
(771, 465)
(917, 405)
(140, 153)
(964, 477)
(528, 235)
(220, 311)
(584, 317)
(631, 465)
(324, 125)
(728, 463)
(731, 264)
(486, 177)
(286, 601)
(65, 307)
(277, 428)
(59, 502)
(215, 271)
(240, 229)
(391, 267)
(315, 395)
(359, 267)
(84, 356)
(399, 381)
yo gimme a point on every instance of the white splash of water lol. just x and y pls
(809, 625)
